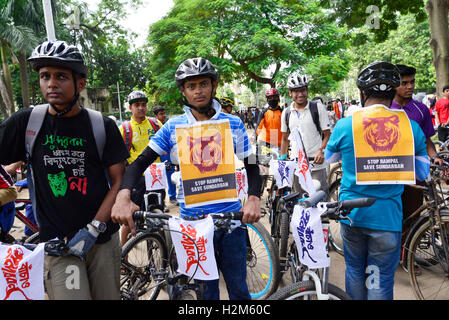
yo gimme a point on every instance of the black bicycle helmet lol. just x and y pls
(58, 54)
(158, 109)
(193, 68)
(379, 76)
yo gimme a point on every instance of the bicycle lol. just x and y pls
(262, 260)
(160, 269)
(427, 243)
(319, 287)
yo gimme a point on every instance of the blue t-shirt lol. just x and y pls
(165, 141)
(386, 213)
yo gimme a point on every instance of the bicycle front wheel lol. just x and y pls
(306, 290)
(427, 261)
(262, 262)
(142, 256)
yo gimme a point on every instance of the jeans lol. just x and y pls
(171, 186)
(230, 254)
(372, 257)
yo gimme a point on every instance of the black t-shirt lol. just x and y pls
(69, 177)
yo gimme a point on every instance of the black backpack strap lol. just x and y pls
(313, 105)
(288, 111)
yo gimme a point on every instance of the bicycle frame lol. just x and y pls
(19, 215)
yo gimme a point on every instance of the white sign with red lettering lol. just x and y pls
(303, 170)
(242, 183)
(155, 177)
(22, 273)
(194, 247)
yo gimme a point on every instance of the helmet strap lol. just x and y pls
(208, 110)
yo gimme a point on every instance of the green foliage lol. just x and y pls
(249, 40)
(408, 44)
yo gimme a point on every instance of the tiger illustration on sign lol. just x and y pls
(206, 152)
(382, 133)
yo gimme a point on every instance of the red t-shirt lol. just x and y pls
(442, 108)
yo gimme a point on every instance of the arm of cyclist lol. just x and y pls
(284, 146)
(251, 210)
(123, 209)
(432, 152)
(319, 157)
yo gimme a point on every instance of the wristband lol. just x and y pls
(282, 157)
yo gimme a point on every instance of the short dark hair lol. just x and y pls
(388, 95)
(406, 70)
(445, 87)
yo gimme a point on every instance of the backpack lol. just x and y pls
(33, 127)
(313, 105)
(128, 132)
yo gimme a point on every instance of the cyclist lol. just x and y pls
(137, 133)
(227, 105)
(160, 113)
(269, 125)
(312, 120)
(197, 80)
(442, 111)
(8, 193)
(74, 189)
(412, 198)
(372, 243)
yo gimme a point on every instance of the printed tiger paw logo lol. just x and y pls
(206, 152)
(382, 133)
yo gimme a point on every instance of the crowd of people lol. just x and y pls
(63, 142)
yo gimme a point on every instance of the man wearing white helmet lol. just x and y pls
(312, 121)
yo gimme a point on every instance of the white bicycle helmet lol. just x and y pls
(297, 81)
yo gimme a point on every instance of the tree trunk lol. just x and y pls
(439, 31)
(5, 95)
(24, 79)
(3, 109)
(7, 79)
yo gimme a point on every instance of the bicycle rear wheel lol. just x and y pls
(427, 261)
(262, 262)
(306, 290)
(142, 256)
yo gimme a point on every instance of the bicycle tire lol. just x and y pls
(335, 239)
(137, 280)
(34, 238)
(284, 233)
(334, 174)
(431, 281)
(306, 289)
(262, 265)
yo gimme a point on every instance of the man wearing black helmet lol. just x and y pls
(372, 242)
(75, 175)
(197, 80)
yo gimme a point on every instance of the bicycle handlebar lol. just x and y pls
(154, 223)
(313, 200)
(351, 204)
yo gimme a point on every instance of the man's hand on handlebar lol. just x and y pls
(123, 209)
(319, 157)
(251, 210)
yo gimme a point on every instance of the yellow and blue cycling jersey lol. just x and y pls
(141, 135)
